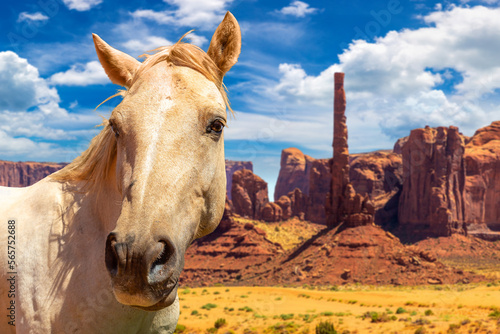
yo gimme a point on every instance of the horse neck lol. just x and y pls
(99, 206)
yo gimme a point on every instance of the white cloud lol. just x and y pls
(21, 86)
(196, 39)
(139, 46)
(32, 124)
(298, 9)
(81, 5)
(90, 73)
(395, 81)
(189, 13)
(25, 16)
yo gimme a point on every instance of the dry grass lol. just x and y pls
(355, 309)
(288, 233)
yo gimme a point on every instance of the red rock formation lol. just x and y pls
(225, 254)
(233, 166)
(363, 254)
(294, 172)
(398, 146)
(272, 212)
(285, 204)
(344, 206)
(431, 202)
(319, 186)
(376, 173)
(311, 177)
(482, 189)
(23, 174)
(249, 194)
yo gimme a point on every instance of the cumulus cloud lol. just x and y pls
(298, 9)
(396, 81)
(21, 86)
(32, 124)
(90, 73)
(189, 13)
(139, 46)
(81, 5)
(25, 16)
(196, 39)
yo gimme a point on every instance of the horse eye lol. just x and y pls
(114, 129)
(217, 126)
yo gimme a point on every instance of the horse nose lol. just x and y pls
(161, 260)
(156, 264)
(113, 251)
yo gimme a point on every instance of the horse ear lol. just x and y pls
(225, 45)
(119, 66)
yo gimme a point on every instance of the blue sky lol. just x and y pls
(408, 64)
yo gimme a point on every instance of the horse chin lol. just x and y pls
(147, 304)
(168, 300)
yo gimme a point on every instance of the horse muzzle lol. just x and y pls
(143, 274)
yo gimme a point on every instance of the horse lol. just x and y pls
(98, 246)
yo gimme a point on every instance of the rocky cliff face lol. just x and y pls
(482, 189)
(231, 167)
(249, 194)
(23, 174)
(294, 172)
(223, 255)
(302, 186)
(431, 202)
(380, 175)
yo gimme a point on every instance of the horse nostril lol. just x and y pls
(111, 256)
(159, 267)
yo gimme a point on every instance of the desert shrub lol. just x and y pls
(282, 327)
(220, 323)
(429, 312)
(194, 312)
(286, 316)
(208, 306)
(376, 317)
(245, 308)
(180, 328)
(495, 314)
(400, 310)
(325, 327)
(453, 328)
(327, 314)
(421, 330)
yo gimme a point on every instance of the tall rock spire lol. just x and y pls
(344, 205)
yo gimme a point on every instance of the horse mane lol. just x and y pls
(92, 166)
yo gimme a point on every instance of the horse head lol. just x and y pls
(169, 167)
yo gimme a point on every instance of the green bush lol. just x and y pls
(286, 316)
(194, 312)
(495, 314)
(245, 308)
(325, 327)
(180, 328)
(421, 330)
(429, 312)
(208, 306)
(220, 323)
(400, 310)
